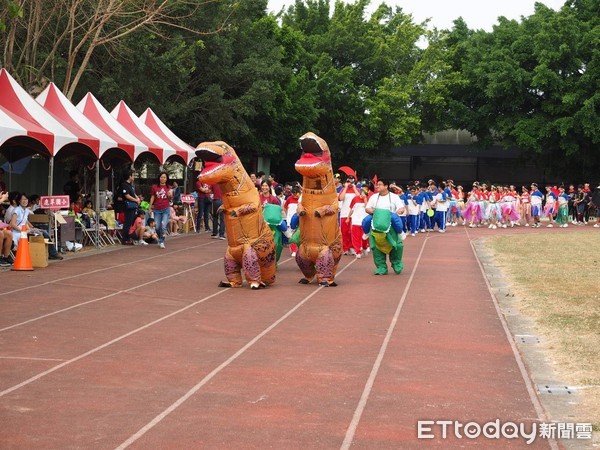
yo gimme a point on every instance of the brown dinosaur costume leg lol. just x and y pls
(305, 263)
(266, 252)
(233, 271)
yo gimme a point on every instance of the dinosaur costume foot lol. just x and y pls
(225, 284)
(380, 272)
(257, 286)
(398, 268)
(304, 281)
(328, 284)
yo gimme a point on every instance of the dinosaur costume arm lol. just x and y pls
(326, 210)
(248, 208)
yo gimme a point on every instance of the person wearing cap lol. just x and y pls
(338, 183)
(536, 205)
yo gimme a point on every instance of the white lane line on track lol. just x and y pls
(108, 296)
(120, 338)
(539, 409)
(113, 294)
(30, 358)
(222, 366)
(107, 344)
(84, 274)
(376, 366)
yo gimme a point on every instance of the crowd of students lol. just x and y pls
(422, 207)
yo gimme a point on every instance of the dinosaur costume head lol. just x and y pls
(219, 162)
(315, 161)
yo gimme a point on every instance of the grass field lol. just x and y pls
(556, 278)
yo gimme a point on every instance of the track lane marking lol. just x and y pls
(107, 296)
(71, 277)
(126, 335)
(219, 368)
(362, 403)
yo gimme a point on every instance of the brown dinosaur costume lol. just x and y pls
(320, 246)
(249, 238)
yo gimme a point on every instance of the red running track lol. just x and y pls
(139, 348)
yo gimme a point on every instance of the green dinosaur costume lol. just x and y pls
(277, 225)
(384, 240)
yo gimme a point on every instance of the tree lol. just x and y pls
(57, 39)
(533, 85)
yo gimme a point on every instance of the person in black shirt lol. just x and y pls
(131, 203)
(72, 187)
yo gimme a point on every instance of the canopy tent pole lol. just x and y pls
(50, 174)
(185, 177)
(97, 202)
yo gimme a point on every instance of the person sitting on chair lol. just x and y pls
(20, 219)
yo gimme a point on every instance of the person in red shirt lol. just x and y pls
(290, 207)
(161, 195)
(266, 194)
(136, 231)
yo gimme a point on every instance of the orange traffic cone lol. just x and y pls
(23, 258)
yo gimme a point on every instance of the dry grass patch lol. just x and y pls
(557, 281)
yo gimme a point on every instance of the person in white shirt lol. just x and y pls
(348, 192)
(384, 239)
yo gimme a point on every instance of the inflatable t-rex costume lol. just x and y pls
(249, 238)
(320, 246)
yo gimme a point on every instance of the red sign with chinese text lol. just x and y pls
(54, 202)
(188, 198)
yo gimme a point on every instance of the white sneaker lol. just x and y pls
(490, 226)
(453, 224)
(352, 251)
(550, 226)
(412, 234)
(442, 231)
(526, 224)
(472, 226)
(161, 245)
(293, 254)
(358, 256)
(365, 236)
(402, 236)
(368, 250)
(142, 242)
(504, 226)
(597, 226)
(494, 227)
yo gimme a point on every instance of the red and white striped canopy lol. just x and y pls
(16, 100)
(54, 101)
(155, 144)
(183, 150)
(99, 116)
(12, 126)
